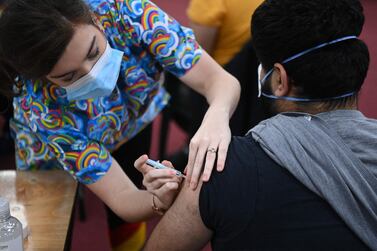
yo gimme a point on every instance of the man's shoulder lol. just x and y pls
(241, 161)
(243, 150)
(228, 194)
(240, 167)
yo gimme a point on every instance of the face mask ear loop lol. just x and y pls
(295, 99)
(261, 82)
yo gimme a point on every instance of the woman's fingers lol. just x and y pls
(140, 164)
(193, 149)
(167, 163)
(159, 174)
(210, 162)
(198, 166)
(163, 183)
(157, 184)
(165, 192)
(207, 157)
(221, 154)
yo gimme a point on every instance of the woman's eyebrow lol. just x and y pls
(87, 55)
(91, 46)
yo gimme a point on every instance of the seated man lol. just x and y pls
(305, 179)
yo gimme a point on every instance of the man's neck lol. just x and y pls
(316, 108)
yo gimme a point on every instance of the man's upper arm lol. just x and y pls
(181, 228)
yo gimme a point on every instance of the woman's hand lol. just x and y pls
(163, 183)
(209, 145)
(211, 141)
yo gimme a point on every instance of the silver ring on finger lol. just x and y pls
(212, 150)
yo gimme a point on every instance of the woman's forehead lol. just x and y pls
(77, 50)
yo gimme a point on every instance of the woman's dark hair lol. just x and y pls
(282, 28)
(34, 35)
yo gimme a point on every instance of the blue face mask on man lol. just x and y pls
(101, 80)
(261, 82)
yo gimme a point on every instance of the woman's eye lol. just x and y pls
(69, 78)
(94, 55)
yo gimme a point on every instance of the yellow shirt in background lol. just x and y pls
(231, 17)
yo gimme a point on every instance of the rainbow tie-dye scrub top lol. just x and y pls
(78, 136)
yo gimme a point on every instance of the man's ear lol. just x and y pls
(281, 85)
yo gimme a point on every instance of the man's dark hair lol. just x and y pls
(34, 35)
(282, 28)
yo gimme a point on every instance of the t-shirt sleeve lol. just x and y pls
(87, 160)
(230, 196)
(171, 44)
(53, 136)
(209, 13)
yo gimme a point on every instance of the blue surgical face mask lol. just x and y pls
(261, 82)
(101, 80)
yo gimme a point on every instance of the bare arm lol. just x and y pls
(181, 228)
(205, 35)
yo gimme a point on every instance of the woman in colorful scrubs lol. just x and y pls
(87, 77)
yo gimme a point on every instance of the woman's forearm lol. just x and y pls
(223, 93)
(133, 205)
(118, 192)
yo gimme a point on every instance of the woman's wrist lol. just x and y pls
(218, 110)
(158, 206)
(155, 206)
(223, 106)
